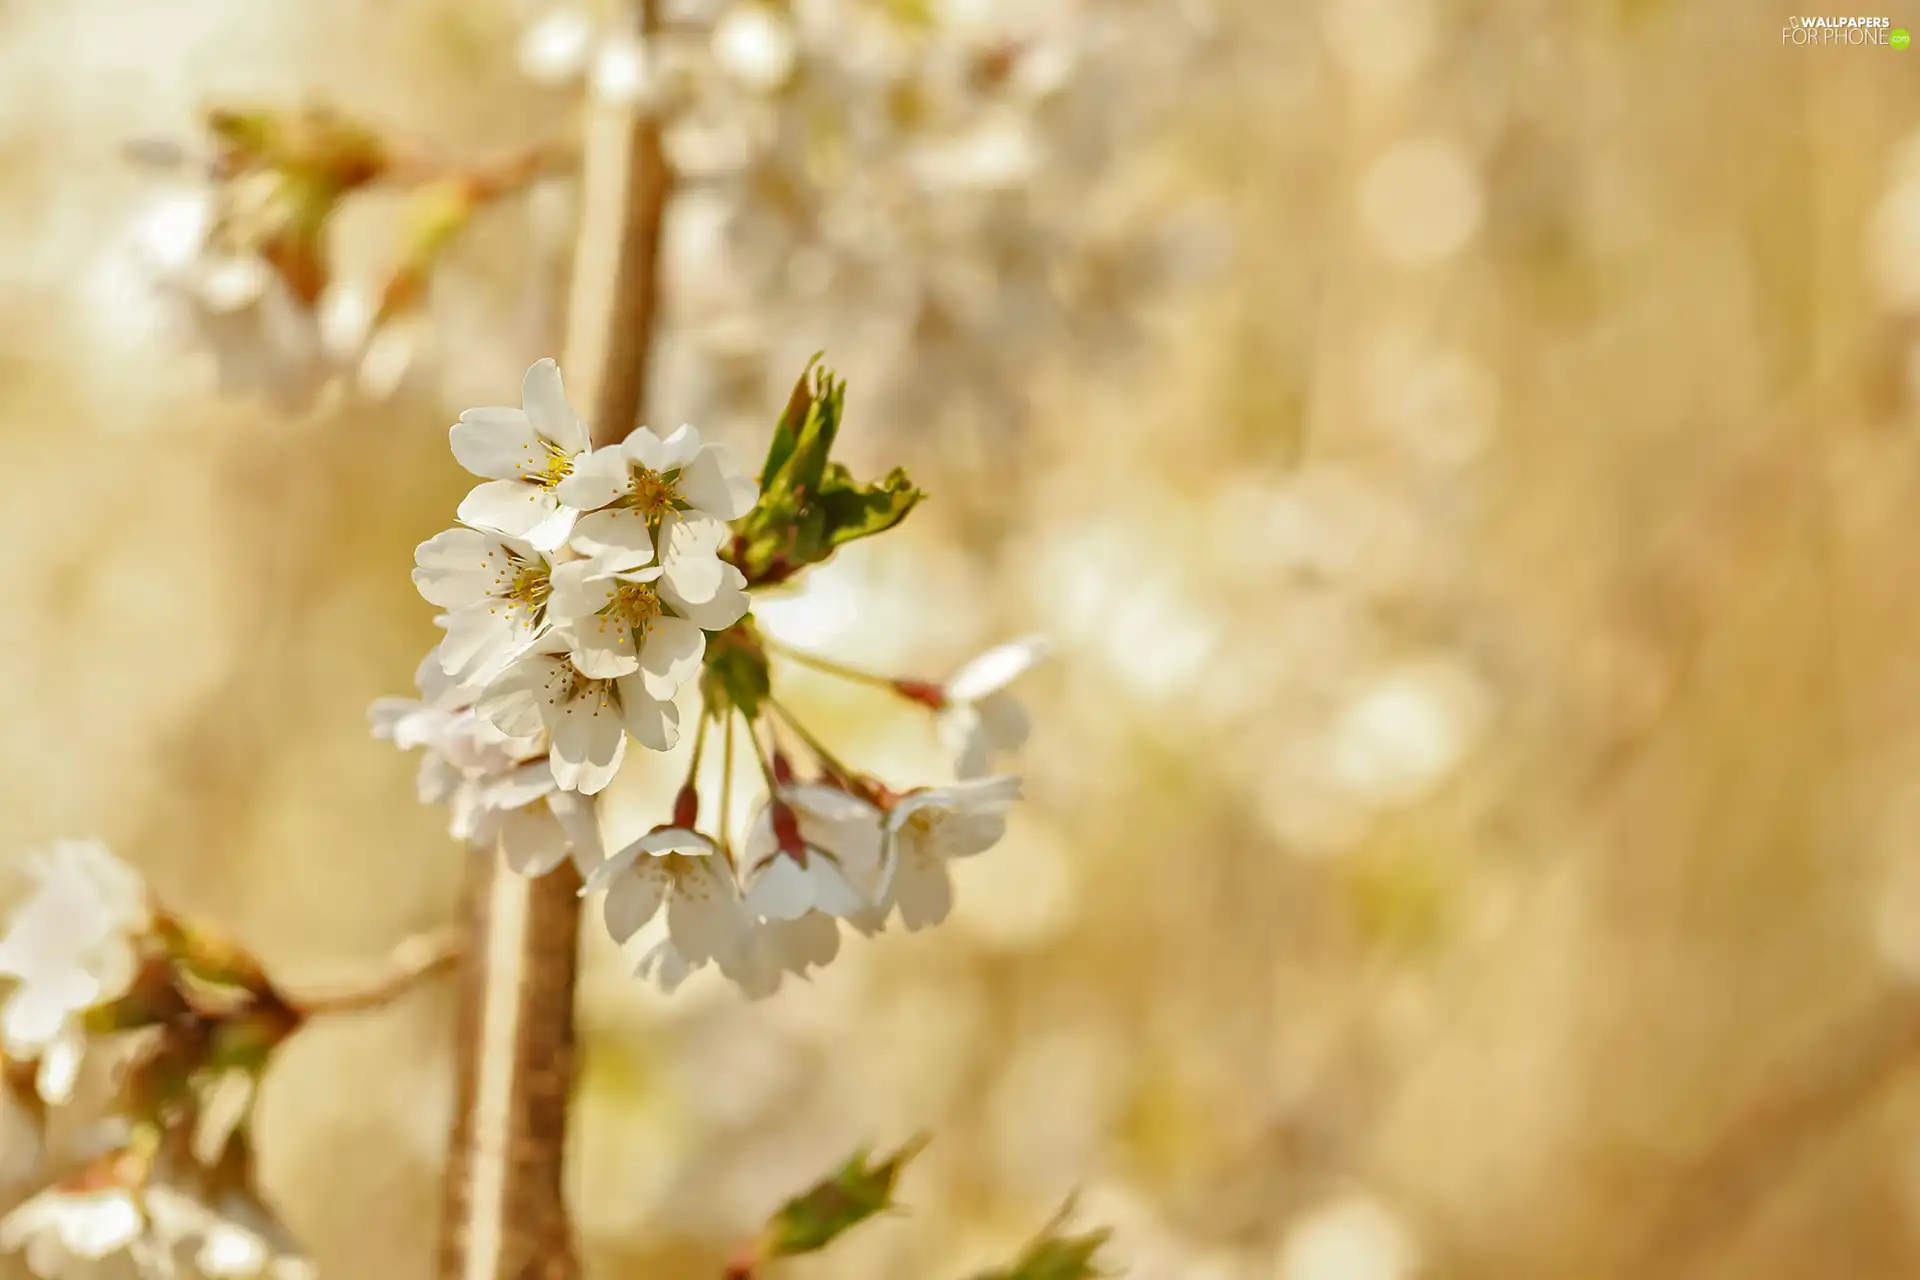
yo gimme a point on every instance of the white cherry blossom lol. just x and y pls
(495, 590)
(587, 717)
(67, 1231)
(764, 952)
(979, 721)
(812, 848)
(675, 868)
(499, 790)
(646, 484)
(526, 455)
(755, 45)
(619, 624)
(927, 827)
(215, 1225)
(69, 946)
(771, 949)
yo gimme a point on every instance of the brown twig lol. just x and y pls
(1805, 1099)
(504, 1214)
(414, 961)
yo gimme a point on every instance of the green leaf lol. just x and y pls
(786, 432)
(850, 510)
(857, 1191)
(1054, 1255)
(810, 505)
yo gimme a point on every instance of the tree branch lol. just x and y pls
(504, 1213)
(412, 962)
(1802, 1101)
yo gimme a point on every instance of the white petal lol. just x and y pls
(834, 893)
(634, 897)
(497, 443)
(616, 539)
(459, 567)
(511, 506)
(515, 701)
(553, 530)
(644, 449)
(966, 740)
(1005, 721)
(518, 788)
(588, 745)
(995, 669)
(922, 890)
(579, 591)
(964, 835)
(781, 889)
(484, 636)
(603, 649)
(665, 965)
(728, 606)
(581, 820)
(656, 724)
(597, 478)
(60, 1068)
(760, 844)
(689, 554)
(532, 841)
(672, 840)
(680, 448)
(547, 407)
(671, 655)
(704, 917)
(812, 940)
(830, 804)
(713, 483)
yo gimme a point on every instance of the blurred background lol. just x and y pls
(1462, 450)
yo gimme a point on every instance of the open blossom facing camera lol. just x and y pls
(586, 591)
(524, 455)
(494, 589)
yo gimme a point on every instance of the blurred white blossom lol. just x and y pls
(1354, 1238)
(979, 720)
(69, 946)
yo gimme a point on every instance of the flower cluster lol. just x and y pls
(908, 180)
(935, 186)
(579, 590)
(246, 257)
(183, 1023)
(584, 590)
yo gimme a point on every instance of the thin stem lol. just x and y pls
(1804, 1100)
(413, 962)
(699, 749)
(726, 791)
(821, 751)
(828, 665)
(760, 758)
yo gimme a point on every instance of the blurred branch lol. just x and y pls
(1803, 1101)
(414, 961)
(504, 1215)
